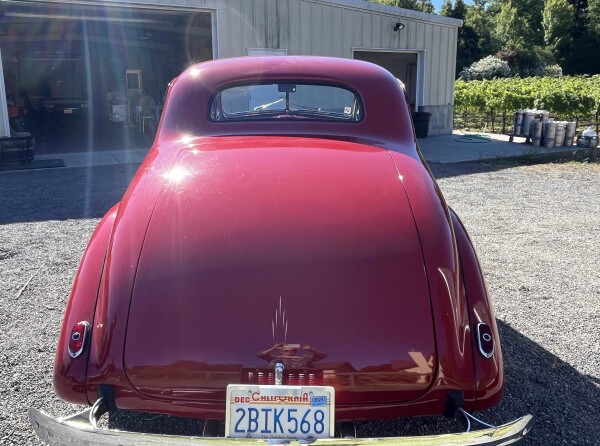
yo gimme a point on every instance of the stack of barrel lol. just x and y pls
(541, 127)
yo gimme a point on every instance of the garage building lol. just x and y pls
(90, 75)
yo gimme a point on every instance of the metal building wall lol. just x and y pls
(332, 28)
(335, 29)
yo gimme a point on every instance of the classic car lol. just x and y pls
(282, 265)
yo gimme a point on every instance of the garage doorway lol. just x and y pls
(83, 78)
(404, 65)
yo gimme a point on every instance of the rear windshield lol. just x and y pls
(286, 100)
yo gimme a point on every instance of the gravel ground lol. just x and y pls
(536, 230)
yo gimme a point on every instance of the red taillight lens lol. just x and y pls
(78, 339)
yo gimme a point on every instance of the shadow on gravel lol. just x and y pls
(447, 170)
(564, 403)
(62, 194)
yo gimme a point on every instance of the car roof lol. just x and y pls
(386, 118)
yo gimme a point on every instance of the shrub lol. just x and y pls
(553, 71)
(489, 67)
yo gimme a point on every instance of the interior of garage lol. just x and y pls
(82, 78)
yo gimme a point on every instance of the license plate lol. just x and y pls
(68, 110)
(280, 412)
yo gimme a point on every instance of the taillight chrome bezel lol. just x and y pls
(485, 340)
(77, 331)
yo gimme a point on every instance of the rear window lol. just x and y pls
(286, 100)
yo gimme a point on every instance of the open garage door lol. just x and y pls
(85, 78)
(404, 65)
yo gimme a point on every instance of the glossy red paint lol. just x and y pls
(489, 377)
(226, 225)
(340, 252)
(69, 373)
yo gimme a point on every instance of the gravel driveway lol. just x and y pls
(536, 230)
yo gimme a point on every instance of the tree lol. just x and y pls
(580, 56)
(459, 11)
(512, 30)
(427, 6)
(416, 5)
(593, 16)
(446, 8)
(530, 35)
(558, 20)
(467, 50)
(480, 18)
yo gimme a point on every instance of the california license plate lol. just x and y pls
(282, 412)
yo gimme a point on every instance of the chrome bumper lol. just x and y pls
(78, 430)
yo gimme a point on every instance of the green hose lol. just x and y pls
(476, 138)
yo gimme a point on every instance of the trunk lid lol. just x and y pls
(305, 253)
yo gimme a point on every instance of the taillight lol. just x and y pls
(78, 340)
(485, 340)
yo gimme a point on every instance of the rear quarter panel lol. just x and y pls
(70, 374)
(489, 373)
(443, 269)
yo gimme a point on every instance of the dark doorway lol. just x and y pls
(83, 78)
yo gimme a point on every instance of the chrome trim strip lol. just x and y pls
(76, 429)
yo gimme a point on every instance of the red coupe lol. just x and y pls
(282, 265)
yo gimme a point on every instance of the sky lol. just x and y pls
(437, 4)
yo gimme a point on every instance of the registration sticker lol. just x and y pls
(318, 401)
(280, 412)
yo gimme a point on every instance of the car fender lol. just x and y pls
(489, 372)
(69, 373)
(442, 266)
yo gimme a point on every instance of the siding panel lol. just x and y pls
(452, 61)
(319, 28)
(346, 34)
(365, 20)
(375, 24)
(235, 25)
(435, 65)
(316, 29)
(283, 14)
(248, 31)
(305, 31)
(260, 23)
(223, 31)
(294, 27)
(356, 30)
(339, 34)
(272, 23)
(386, 32)
(328, 31)
(446, 73)
(411, 42)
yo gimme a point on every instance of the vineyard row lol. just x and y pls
(490, 104)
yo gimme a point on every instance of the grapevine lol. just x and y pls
(569, 98)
